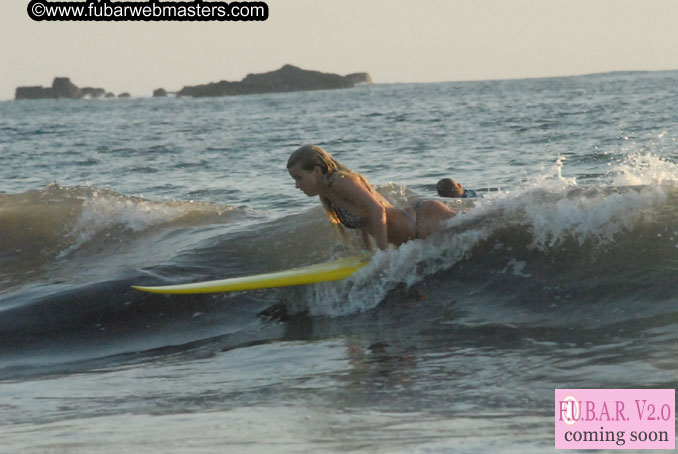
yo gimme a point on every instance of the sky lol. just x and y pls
(396, 41)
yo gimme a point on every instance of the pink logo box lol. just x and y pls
(615, 418)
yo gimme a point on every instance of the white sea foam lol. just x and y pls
(554, 208)
(644, 169)
(108, 213)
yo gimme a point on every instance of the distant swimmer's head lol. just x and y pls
(310, 156)
(447, 187)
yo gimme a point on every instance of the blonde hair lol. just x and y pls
(310, 156)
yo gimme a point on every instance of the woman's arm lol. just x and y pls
(366, 204)
(377, 218)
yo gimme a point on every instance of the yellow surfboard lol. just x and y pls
(329, 271)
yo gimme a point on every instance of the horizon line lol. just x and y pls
(498, 79)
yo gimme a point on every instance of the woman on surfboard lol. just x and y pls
(349, 200)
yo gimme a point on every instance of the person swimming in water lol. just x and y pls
(351, 201)
(447, 187)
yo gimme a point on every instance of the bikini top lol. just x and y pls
(348, 219)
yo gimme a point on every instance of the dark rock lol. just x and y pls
(222, 88)
(110, 95)
(62, 88)
(287, 78)
(33, 93)
(291, 78)
(124, 95)
(159, 93)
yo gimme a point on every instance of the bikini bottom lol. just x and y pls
(415, 220)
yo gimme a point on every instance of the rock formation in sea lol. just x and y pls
(62, 87)
(287, 78)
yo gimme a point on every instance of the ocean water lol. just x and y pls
(563, 275)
